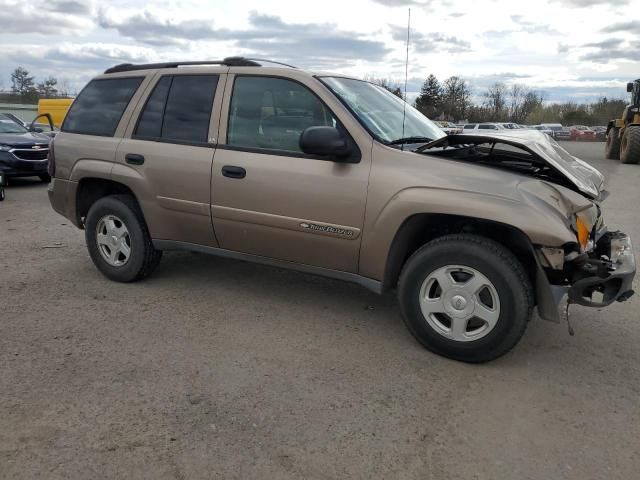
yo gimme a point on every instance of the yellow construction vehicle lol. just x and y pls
(623, 134)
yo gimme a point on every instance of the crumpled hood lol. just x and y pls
(587, 179)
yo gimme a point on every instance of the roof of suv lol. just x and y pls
(228, 62)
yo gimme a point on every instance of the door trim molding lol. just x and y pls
(368, 283)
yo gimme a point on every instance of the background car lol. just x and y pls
(510, 125)
(48, 129)
(449, 128)
(581, 133)
(559, 132)
(544, 129)
(483, 126)
(22, 153)
(601, 132)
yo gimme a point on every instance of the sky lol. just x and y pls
(569, 49)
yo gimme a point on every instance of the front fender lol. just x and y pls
(536, 219)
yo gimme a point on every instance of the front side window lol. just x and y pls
(469, 126)
(381, 112)
(100, 105)
(178, 109)
(487, 127)
(271, 113)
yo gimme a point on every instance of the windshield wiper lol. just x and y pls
(402, 141)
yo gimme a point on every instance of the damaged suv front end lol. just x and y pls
(590, 265)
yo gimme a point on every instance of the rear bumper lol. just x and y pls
(62, 196)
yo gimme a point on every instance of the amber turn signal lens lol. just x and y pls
(583, 233)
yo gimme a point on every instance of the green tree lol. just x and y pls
(48, 87)
(430, 99)
(22, 82)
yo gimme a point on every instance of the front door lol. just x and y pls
(272, 200)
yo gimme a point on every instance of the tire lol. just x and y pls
(142, 258)
(45, 177)
(504, 277)
(630, 145)
(2, 194)
(612, 147)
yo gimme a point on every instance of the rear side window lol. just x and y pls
(469, 126)
(178, 110)
(487, 127)
(100, 105)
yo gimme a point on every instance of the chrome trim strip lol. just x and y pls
(368, 283)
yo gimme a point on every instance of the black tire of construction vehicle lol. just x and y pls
(630, 145)
(143, 258)
(612, 147)
(492, 260)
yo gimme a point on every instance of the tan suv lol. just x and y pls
(335, 176)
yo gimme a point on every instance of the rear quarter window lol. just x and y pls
(100, 105)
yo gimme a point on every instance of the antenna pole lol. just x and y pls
(406, 75)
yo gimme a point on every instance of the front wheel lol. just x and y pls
(465, 297)
(45, 177)
(118, 239)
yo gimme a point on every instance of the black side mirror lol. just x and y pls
(630, 87)
(325, 141)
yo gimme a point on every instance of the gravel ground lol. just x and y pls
(216, 368)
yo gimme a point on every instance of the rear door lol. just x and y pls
(168, 153)
(271, 199)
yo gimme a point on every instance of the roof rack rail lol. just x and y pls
(270, 61)
(229, 62)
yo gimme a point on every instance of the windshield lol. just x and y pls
(381, 111)
(9, 126)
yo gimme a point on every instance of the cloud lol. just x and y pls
(148, 28)
(25, 18)
(532, 27)
(589, 3)
(430, 42)
(632, 26)
(68, 7)
(403, 3)
(608, 43)
(606, 56)
(310, 44)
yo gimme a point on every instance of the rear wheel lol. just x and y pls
(45, 177)
(630, 145)
(612, 147)
(118, 239)
(465, 297)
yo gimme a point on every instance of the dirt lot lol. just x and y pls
(216, 368)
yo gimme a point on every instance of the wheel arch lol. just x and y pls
(91, 189)
(421, 228)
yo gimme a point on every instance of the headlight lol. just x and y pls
(585, 223)
(4, 148)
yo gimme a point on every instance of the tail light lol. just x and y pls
(51, 168)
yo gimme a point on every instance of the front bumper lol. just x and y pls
(607, 275)
(12, 166)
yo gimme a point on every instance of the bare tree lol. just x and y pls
(495, 101)
(386, 83)
(47, 88)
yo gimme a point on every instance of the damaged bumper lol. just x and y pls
(596, 279)
(607, 275)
